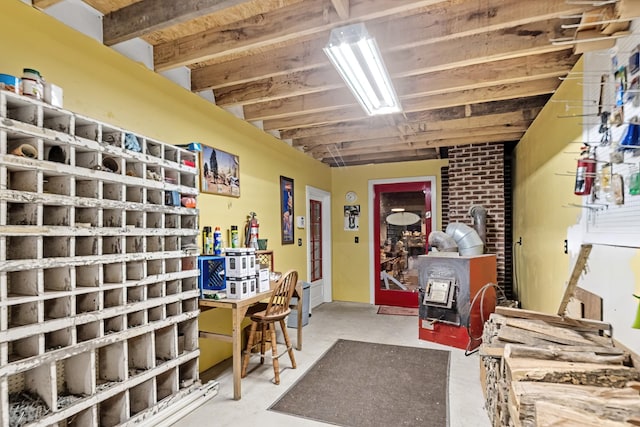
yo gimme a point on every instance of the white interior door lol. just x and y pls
(318, 225)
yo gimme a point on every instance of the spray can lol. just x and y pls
(217, 242)
(235, 239)
(207, 243)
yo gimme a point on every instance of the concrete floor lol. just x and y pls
(329, 322)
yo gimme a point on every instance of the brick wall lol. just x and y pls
(477, 177)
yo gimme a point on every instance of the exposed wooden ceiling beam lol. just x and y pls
(464, 97)
(411, 54)
(145, 16)
(302, 20)
(342, 8)
(402, 156)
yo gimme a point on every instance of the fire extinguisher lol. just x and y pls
(251, 231)
(585, 173)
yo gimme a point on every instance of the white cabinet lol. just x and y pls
(98, 275)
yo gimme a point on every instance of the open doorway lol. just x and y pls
(403, 217)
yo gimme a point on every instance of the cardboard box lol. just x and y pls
(238, 288)
(263, 280)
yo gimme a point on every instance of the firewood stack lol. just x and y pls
(542, 370)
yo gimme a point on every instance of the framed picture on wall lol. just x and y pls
(286, 209)
(219, 172)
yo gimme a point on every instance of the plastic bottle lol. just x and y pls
(235, 239)
(207, 245)
(217, 242)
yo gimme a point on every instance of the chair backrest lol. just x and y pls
(282, 293)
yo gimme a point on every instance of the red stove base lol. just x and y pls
(442, 333)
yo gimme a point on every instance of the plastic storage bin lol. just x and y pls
(292, 319)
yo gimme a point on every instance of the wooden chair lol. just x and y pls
(276, 311)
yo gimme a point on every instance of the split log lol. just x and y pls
(559, 353)
(577, 324)
(550, 414)
(552, 371)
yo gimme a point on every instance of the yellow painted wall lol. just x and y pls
(545, 153)
(100, 83)
(351, 268)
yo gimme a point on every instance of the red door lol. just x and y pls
(402, 223)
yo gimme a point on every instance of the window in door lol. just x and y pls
(315, 224)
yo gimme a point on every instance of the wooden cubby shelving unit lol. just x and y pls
(98, 277)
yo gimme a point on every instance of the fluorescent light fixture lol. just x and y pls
(355, 55)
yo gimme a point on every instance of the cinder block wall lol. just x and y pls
(477, 177)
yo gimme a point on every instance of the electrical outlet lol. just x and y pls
(566, 246)
(356, 239)
(299, 242)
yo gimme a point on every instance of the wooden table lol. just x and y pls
(239, 309)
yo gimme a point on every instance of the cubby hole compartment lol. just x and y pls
(55, 184)
(154, 267)
(187, 336)
(113, 297)
(114, 324)
(188, 242)
(153, 149)
(86, 245)
(141, 356)
(85, 418)
(154, 173)
(87, 276)
(154, 220)
(57, 279)
(57, 339)
(142, 396)
(111, 136)
(174, 309)
(87, 217)
(55, 246)
(172, 243)
(166, 344)
(23, 314)
(171, 176)
(190, 304)
(155, 290)
(22, 247)
(89, 331)
(112, 191)
(156, 313)
(188, 158)
(57, 120)
(172, 265)
(22, 214)
(154, 243)
(111, 364)
(167, 383)
(135, 270)
(113, 411)
(170, 153)
(136, 294)
(22, 112)
(77, 384)
(113, 273)
(135, 194)
(137, 318)
(32, 389)
(56, 215)
(22, 283)
(87, 129)
(135, 244)
(189, 263)
(188, 373)
(134, 168)
(174, 287)
(112, 217)
(135, 219)
(56, 152)
(87, 303)
(23, 348)
(87, 160)
(57, 308)
(188, 179)
(111, 245)
(189, 284)
(86, 188)
(155, 197)
(22, 180)
(171, 221)
(189, 222)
